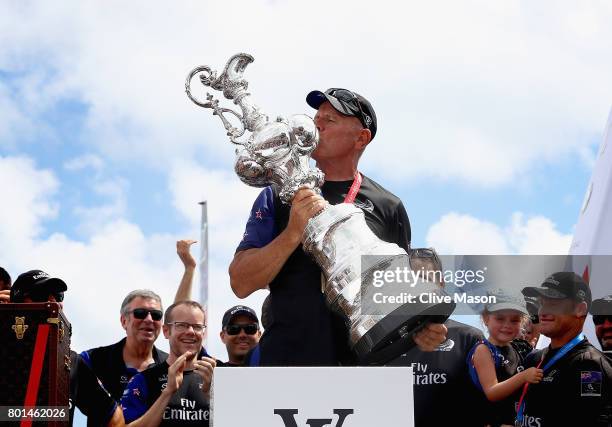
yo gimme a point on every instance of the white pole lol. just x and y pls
(204, 257)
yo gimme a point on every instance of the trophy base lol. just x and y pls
(392, 335)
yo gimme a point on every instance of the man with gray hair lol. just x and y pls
(114, 365)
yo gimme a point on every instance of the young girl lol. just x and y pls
(495, 364)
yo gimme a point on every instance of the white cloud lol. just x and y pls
(455, 233)
(13, 122)
(27, 199)
(114, 191)
(481, 92)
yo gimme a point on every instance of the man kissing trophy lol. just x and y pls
(277, 153)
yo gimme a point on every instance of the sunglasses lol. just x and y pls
(38, 296)
(350, 105)
(599, 319)
(141, 313)
(250, 329)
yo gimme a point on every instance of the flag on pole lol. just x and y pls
(592, 244)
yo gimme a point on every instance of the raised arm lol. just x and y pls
(494, 390)
(183, 293)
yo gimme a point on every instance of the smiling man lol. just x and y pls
(141, 317)
(575, 390)
(176, 391)
(240, 333)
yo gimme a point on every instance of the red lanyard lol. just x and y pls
(526, 386)
(355, 186)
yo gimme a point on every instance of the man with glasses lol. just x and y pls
(303, 330)
(140, 315)
(576, 388)
(240, 333)
(176, 391)
(602, 318)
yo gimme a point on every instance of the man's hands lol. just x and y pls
(5, 296)
(204, 368)
(175, 373)
(183, 292)
(430, 337)
(306, 204)
(533, 375)
(182, 249)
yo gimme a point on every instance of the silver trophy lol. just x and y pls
(277, 152)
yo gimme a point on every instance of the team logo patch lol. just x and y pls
(367, 205)
(446, 345)
(590, 383)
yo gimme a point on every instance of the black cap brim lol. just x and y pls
(53, 283)
(316, 98)
(535, 292)
(601, 307)
(240, 313)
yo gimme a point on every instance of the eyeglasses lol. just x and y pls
(599, 319)
(184, 326)
(250, 329)
(141, 313)
(43, 296)
(350, 104)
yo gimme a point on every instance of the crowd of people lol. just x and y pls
(132, 382)
(461, 377)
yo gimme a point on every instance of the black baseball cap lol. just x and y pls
(602, 306)
(348, 103)
(238, 310)
(561, 285)
(35, 281)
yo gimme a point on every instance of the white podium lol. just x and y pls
(312, 397)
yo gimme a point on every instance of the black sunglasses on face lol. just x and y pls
(38, 296)
(250, 329)
(599, 319)
(350, 104)
(141, 313)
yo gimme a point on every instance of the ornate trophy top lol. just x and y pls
(276, 152)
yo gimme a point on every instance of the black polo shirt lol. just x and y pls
(108, 365)
(575, 391)
(443, 391)
(88, 395)
(188, 406)
(303, 330)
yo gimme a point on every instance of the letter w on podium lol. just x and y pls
(313, 397)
